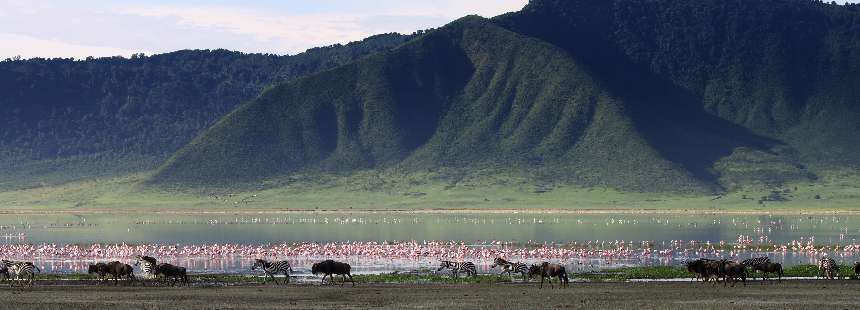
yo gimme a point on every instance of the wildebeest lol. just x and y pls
(754, 264)
(100, 269)
(171, 271)
(702, 268)
(116, 269)
(770, 268)
(732, 270)
(856, 269)
(547, 270)
(329, 268)
(4, 271)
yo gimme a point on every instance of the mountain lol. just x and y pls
(643, 95)
(637, 95)
(66, 119)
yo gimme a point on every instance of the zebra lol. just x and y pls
(22, 271)
(511, 267)
(828, 268)
(147, 266)
(754, 264)
(273, 268)
(457, 267)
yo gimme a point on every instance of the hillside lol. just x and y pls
(785, 70)
(643, 95)
(65, 119)
(471, 95)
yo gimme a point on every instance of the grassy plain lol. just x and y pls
(371, 192)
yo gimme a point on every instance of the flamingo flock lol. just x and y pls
(430, 250)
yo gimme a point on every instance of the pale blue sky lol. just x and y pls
(40, 28)
(44, 28)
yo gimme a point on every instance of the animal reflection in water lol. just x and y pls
(329, 268)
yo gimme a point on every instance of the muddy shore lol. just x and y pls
(796, 294)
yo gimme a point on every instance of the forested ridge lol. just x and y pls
(639, 95)
(119, 109)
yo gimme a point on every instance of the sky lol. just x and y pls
(81, 28)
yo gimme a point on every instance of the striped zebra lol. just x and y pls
(828, 268)
(457, 267)
(511, 267)
(273, 268)
(147, 266)
(756, 264)
(22, 270)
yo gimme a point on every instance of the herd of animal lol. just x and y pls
(704, 269)
(710, 269)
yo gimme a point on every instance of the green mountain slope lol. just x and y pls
(652, 95)
(786, 70)
(470, 95)
(65, 119)
(637, 95)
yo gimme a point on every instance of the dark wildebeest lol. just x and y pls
(329, 268)
(100, 269)
(116, 269)
(770, 268)
(547, 270)
(700, 268)
(856, 270)
(4, 271)
(732, 270)
(171, 271)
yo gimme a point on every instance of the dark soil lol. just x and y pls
(617, 295)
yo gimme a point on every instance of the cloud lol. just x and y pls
(288, 33)
(291, 32)
(106, 28)
(15, 45)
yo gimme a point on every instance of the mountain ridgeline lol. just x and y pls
(645, 95)
(640, 95)
(66, 119)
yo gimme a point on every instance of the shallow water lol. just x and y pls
(660, 230)
(262, 229)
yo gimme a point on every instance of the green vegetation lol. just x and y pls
(642, 104)
(66, 119)
(372, 191)
(482, 96)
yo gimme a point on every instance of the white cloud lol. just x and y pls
(289, 33)
(294, 33)
(15, 45)
(106, 28)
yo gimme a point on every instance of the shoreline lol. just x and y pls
(432, 211)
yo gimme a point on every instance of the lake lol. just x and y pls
(64, 242)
